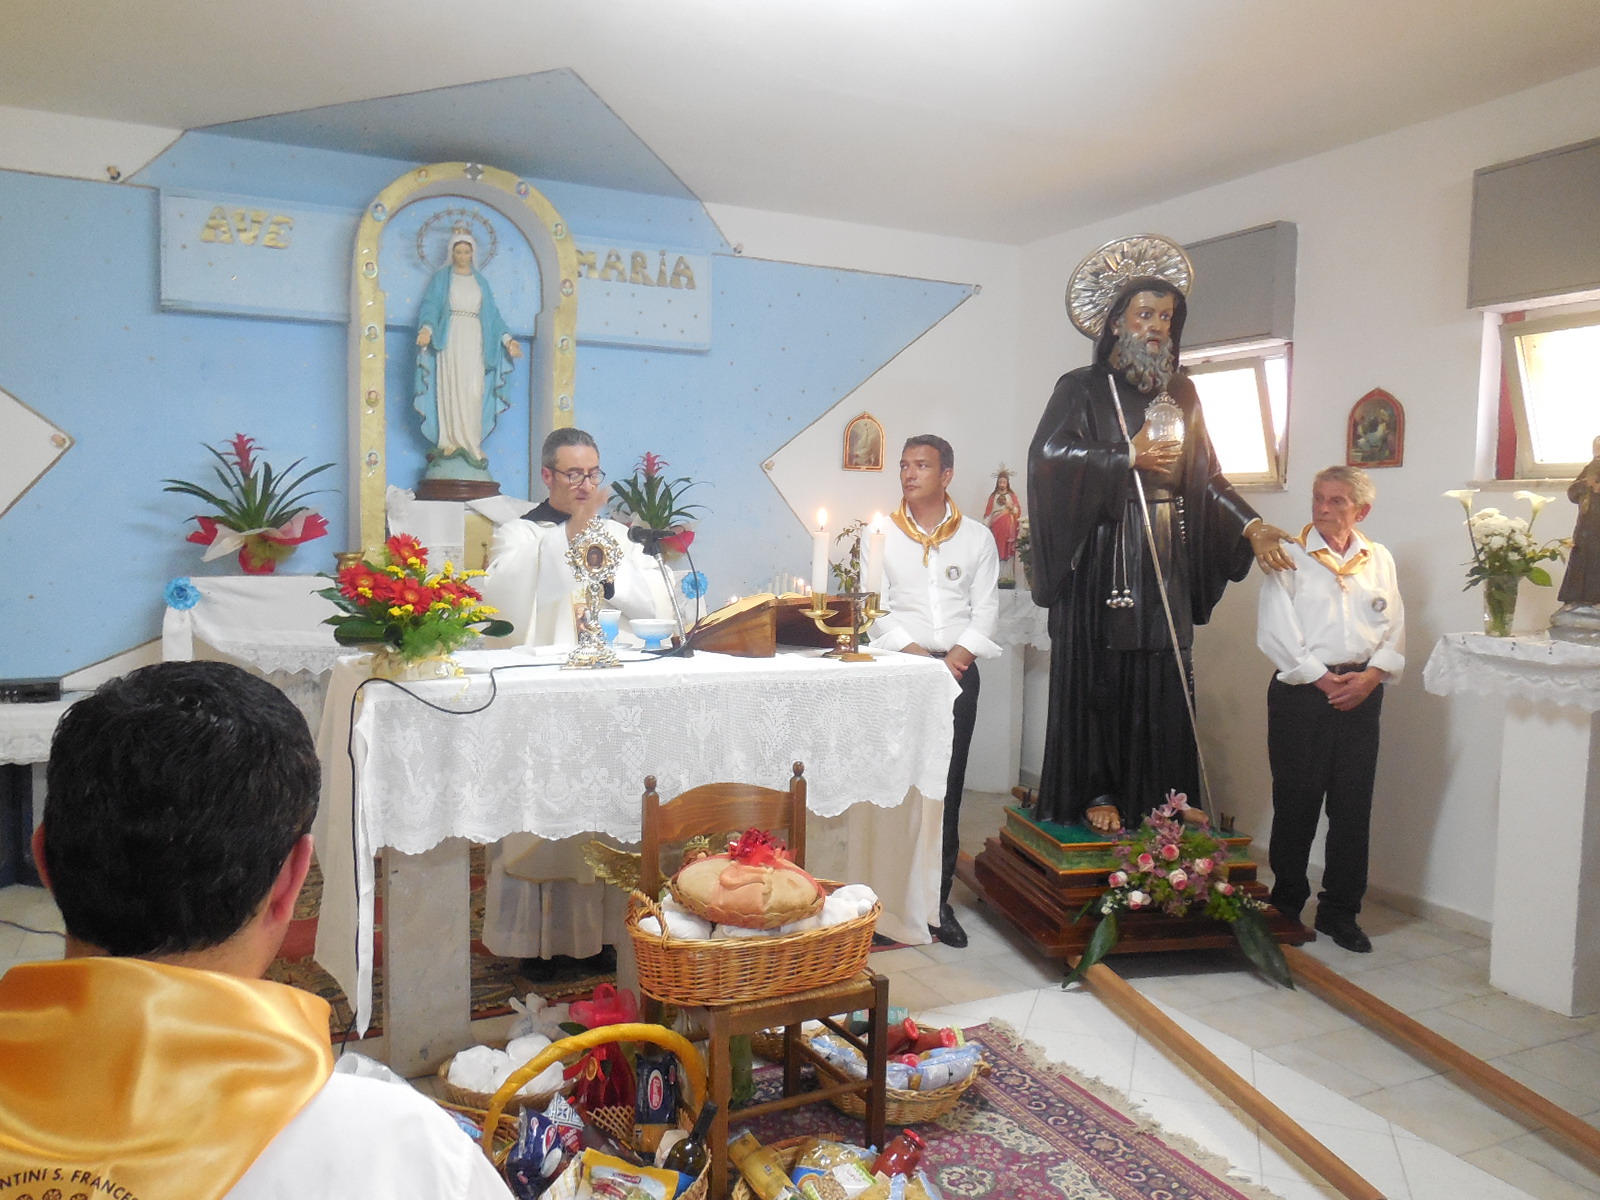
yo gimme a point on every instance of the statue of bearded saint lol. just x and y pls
(1135, 534)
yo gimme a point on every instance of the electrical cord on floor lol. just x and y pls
(31, 929)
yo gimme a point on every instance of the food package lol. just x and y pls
(754, 885)
(761, 1168)
(607, 1178)
(825, 1170)
(656, 1099)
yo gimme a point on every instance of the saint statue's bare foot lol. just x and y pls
(1194, 816)
(1103, 818)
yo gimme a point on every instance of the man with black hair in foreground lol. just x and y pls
(153, 1061)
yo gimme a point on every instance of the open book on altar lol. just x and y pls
(757, 625)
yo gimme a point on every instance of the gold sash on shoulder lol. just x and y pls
(140, 1081)
(946, 530)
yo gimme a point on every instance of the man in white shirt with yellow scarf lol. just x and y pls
(940, 577)
(1334, 627)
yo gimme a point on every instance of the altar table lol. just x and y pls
(564, 753)
(1544, 946)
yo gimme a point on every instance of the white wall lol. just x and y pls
(79, 147)
(958, 380)
(1381, 295)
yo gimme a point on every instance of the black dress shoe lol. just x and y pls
(1346, 934)
(949, 929)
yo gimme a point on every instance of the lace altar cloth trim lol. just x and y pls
(272, 622)
(1532, 667)
(561, 753)
(26, 729)
(1022, 622)
(566, 752)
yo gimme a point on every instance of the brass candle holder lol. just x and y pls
(864, 610)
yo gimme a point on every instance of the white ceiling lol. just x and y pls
(1003, 120)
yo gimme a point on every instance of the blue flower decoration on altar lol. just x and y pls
(181, 594)
(693, 585)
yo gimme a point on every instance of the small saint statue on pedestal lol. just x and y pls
(1578, 619)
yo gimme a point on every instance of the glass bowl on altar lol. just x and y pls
(654, 630)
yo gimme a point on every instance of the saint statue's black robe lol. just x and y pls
(1118, 730)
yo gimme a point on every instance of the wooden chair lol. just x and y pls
(717, 810)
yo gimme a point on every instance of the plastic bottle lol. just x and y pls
(901, 1156)
(691, 1155)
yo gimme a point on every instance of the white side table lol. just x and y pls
(1545, 943)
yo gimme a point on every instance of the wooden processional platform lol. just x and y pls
(1039, 875)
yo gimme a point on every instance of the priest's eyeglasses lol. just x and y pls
(574, 478)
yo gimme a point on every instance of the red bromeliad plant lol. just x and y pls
(403, 606)
(655, 502)
(258, 510)
(1178, 868)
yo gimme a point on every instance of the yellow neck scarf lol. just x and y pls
(946, 530)
(125, 1077)
(1329, 559)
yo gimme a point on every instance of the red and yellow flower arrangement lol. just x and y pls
(411, 611)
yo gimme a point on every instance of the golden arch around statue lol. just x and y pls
(554, 366)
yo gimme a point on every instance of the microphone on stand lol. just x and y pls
(650, 539)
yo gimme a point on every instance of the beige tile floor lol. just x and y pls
(1414, 1133)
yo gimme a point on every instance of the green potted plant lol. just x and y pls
(259, 511)
(656, 503)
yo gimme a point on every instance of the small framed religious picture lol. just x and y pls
(1377, 432)
(863, 444)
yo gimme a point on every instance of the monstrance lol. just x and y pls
(593, 557)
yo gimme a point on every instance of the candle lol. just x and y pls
(875, 556)
(820, 554)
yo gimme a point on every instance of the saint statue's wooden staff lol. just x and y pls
(1166, 601)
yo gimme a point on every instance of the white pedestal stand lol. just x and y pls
(1545, 944)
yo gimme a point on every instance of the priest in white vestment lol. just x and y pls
(542, 898)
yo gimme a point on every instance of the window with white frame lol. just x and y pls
(1549, 366)
(1244, 392)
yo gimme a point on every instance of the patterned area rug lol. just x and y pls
(494, 980)
(1032, 1130)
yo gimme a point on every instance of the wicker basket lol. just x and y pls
(787, 1151)
(692, 972)
(464, 1098)
(901, 1106)
(616, 1121)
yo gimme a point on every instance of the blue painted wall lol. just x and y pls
(92, 545)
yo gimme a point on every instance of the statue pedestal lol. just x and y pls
(1545, 943)
(1040, 883)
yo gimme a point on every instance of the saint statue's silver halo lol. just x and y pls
(1101, 276)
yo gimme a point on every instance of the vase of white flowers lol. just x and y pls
(1503, 555)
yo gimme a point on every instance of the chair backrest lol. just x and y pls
(715, 809)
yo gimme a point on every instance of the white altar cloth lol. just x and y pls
(26, 729)
(1545, 943)
(561, 753)
(1022, 622)
(1531, 666)
(272, 622)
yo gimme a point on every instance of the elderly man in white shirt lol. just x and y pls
(1334, 627)
(542, 899)
(940, 573)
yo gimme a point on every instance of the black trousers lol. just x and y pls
(966, 715)
(1319, 756)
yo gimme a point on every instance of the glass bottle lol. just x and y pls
(691, 1155)
(902, 1155)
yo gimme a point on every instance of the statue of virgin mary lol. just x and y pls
(464, 357)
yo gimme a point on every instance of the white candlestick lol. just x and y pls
(875, 556)
(819, 555)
